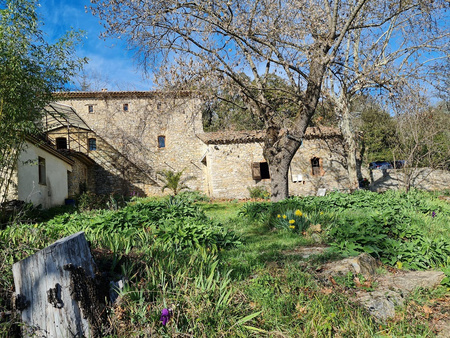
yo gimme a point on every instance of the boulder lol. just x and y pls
(391, 289)
(362, 264)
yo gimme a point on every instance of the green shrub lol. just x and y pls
(258, 193)
(254, 211)
(390, 236)
(192, 196)
(190, 233)
(91, 201)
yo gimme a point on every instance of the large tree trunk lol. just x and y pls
(351, 156)
(350, 142)
(279, 149)
(279, 170)
(280, 145)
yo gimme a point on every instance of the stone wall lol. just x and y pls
(228, 168)
(421, 178)
(128, 137)
(332, 173)
(77, 179)
(128, 127)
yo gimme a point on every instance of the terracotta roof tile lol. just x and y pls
(125, 94)
(222, 137)
(248, 136)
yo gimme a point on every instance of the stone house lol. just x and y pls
(234, 162)
(131, 136)
(117, 142)
(99, 167)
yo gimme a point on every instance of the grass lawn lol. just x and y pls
(233, 268)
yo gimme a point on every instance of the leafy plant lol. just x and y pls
(172, 180)
(254, 210)
(259, 193)
(91, 201)
(191, 233)
(193, 196)
(294, 220)
(446, 280)
(392, 237)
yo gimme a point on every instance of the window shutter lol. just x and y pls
(256, 171)
(322, 172)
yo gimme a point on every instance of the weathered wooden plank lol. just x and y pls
(46, 286)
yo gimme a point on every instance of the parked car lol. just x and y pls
(380, 165)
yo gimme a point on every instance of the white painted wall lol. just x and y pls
(55, 191)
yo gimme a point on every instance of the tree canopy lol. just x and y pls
(237, 44)
(31, 69)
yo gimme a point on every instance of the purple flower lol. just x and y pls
(165, 316)
(433, 214)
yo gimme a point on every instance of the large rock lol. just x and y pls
(363, 264)
(391, 288)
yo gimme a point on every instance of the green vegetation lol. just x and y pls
(259, 193)
(234, 268)
(30, 71)
(172, 180)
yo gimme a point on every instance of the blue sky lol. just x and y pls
(110, 65)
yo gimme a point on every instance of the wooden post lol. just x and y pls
(49, 289)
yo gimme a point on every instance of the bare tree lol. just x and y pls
(383, 63)
(238, 43)
(423, 137)
(90, 80)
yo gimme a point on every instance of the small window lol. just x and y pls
(61, 143)
(158, 105)
(125, 107)
(260, 170)
(316, 166)
(92, 144)
(90, 109)
(42, 171)
(161, 141)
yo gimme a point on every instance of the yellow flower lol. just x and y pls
(279, 216)
(292, 226)
(321, 212)
(291, 221)
(284, 216)
(298, 213)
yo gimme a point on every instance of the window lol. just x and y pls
(61, 143)
(316, 166)
(161, 141)
(91, 108)
(125, 107)
(92, 144)
(42, 171)
(260, 170)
